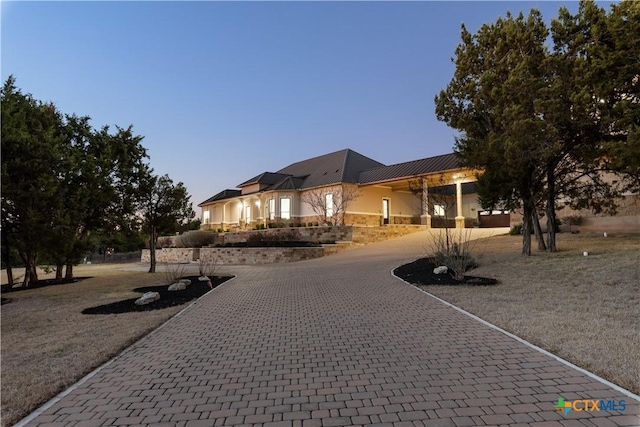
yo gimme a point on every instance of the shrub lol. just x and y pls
(516, 230)
(207, 268)
(573, 220)
(195, 239)
(452, 248)
(173, 273)
(164, 242)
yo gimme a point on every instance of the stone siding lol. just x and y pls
(365, 235)
(172, 255)
(240, 256)
(344, 236)
(296, 234)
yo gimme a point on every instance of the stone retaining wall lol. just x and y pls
(344, 236)
(240, 256)
(297, 234)
(172, 255)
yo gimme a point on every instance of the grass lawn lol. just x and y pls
(585, 309)
(48, 345)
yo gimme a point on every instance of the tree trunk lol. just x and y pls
(59, 267)
(30, 270)
(538, 231)
(152, 250)
(10, 279)
(68, 274)
(526, 230)
(551, 210)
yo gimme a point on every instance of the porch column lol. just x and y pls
(425, 218)
(459, 217)
(223, 221)
(261, 206)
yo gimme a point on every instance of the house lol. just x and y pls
(346, 187)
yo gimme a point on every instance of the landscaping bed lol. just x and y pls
(420, 272)
(167, 298)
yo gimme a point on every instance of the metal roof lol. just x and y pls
(265, 178)
(409, 169)
(224, 194)
(340, 166)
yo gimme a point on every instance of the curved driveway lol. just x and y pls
(335, 341)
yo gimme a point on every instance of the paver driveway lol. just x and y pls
(335, 341)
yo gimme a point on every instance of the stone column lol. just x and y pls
(459, 217)
(425, 218)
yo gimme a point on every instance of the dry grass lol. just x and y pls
(584, 309)
(47, 344)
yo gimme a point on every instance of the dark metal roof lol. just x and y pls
(224, 194)
(289, 183)
(332, 168)
(409, 169)
(265, 178)
(342, 166)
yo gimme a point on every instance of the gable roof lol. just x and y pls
(408, 169)
(265, 178)
(224, 194)
(340, 166)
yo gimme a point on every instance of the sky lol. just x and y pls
(223, 91)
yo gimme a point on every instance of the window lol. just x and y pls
(438, 210)
(328, 204)
(272, 209)
(285, 208)
(205, 217)
(247, 214)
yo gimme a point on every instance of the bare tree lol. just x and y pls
(330, 204)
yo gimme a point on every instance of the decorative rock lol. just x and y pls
(441, 270)
(185, 281)
(148, 298)
(203, 279)
(178, 286)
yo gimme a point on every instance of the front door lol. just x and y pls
(385, 211)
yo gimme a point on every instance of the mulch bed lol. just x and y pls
(420, 272)
(167, 298)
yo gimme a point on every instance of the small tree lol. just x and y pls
(162, 205)
(330, 204)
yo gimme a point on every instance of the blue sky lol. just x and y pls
(222, 91)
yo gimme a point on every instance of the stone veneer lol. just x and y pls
(172, 255)
(344, 236)
(239, 256)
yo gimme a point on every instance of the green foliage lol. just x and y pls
(515, 230)
(573, 219)
(544, 122)
(162, 205)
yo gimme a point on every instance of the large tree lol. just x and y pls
(538, 119)
(62, 183)
(162, 204)
(100, 181)
(32, 149)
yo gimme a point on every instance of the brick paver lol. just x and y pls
(335, 341)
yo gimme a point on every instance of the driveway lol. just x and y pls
(335, 341)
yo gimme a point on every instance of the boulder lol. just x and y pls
(185, 281)
(443, 269)
(178, 286)
(203, 279)
(148, 298)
